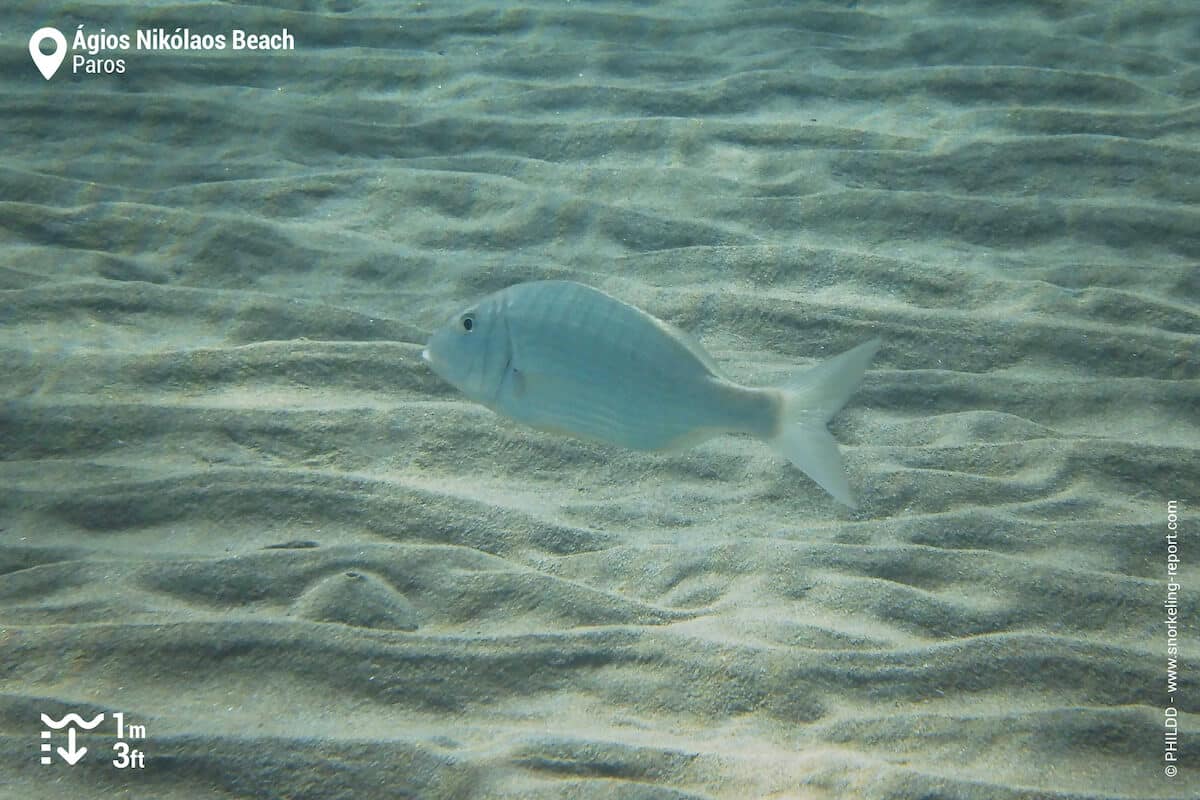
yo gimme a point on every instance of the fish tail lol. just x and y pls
(809, 401)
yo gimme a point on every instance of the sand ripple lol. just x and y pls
(235, 505)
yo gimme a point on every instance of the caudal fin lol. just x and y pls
(810, 399)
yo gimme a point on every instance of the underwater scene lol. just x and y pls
(600, 400)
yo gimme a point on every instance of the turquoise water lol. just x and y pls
(238, 510)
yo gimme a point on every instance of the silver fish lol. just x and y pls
(566, 358)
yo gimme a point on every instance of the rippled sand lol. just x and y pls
(238, 508)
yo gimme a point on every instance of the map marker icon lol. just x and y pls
(47, 64)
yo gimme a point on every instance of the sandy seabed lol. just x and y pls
(237, 508)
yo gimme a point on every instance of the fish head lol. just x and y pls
(472, 351)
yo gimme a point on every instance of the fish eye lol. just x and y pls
(468, 323)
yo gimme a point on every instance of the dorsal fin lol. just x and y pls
(693, 345)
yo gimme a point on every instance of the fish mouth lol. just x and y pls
(425, 356)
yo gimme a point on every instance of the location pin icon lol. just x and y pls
(47, 64)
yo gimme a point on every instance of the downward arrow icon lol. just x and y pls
(71, 755)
